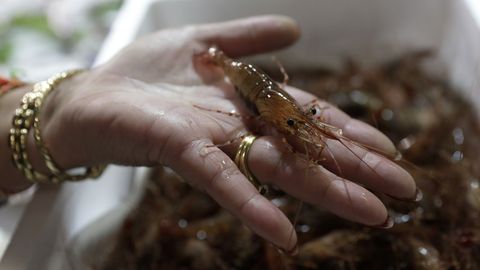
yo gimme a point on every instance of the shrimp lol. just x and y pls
(278, 109)
(273, 104)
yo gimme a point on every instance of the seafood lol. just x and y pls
(273, 104)
(303, 129)
(178, 227)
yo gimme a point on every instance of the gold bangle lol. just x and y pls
(26, 117)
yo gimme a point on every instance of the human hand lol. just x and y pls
(138, 109)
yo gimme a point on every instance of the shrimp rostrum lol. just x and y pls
(321, 134)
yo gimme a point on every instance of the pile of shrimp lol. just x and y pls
(178, 227)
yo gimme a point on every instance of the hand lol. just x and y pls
(138, 109)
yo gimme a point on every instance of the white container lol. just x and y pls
(371, 31)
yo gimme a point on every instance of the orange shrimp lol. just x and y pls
(273, 104)
(280, 110)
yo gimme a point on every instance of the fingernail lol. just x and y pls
(387, 224)
(291, 252)
(418, 195)
(416, 198)
(398, 155)
(291, 24)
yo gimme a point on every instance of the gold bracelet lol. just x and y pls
(26, 117)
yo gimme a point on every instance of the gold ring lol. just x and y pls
(241, 159)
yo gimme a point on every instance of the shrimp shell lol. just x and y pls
(272, 103)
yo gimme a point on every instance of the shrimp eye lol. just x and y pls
(313, 111)
(290, 122)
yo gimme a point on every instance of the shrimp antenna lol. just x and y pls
(300, 204)
(397, 158)
(286, 78)
(359, 158)
(340, 172)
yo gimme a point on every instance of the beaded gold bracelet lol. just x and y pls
(7, 85)
(27, 117)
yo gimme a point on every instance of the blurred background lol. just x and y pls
(55, 35)
(52, 34)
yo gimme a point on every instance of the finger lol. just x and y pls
(351, 128)
(271, 162)
(215, 172)
(351, 161)
(251, 35)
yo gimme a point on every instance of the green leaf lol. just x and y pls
(101, 10)
(16, 73)
(36, 22)
(6, 51)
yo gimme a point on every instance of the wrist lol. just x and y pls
(26, 119)
(55, 122)
(50, 126)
